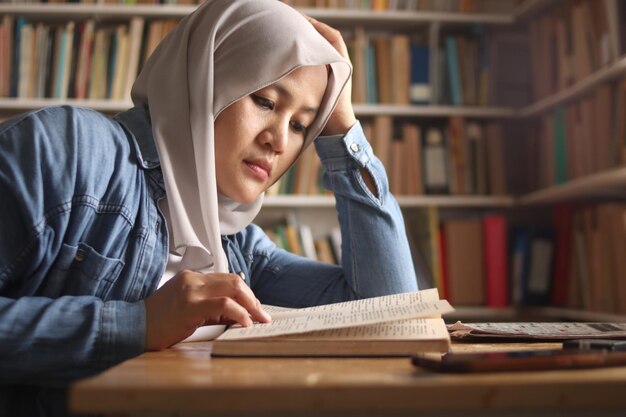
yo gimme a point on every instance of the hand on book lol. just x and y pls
(192, 299)
(343, 117)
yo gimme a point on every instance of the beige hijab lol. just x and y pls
(222, 52)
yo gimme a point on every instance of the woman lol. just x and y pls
(126, 235)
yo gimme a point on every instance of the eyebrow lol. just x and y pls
(287, 94)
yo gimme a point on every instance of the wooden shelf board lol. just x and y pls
(433, 111)
(65, 10)
(389, 19)
(25, 104)
(582, 87)
(530, 8)
(405, 18)
(22, 104)
(312, 201)
(606, 183)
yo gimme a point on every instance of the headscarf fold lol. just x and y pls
(221, 52)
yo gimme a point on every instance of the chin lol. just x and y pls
(246, 197)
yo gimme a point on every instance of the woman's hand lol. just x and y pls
(343, 117)
(190, 300)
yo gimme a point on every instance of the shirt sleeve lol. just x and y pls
(49, 335)
(376, 259)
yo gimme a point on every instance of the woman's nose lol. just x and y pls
(276, 136)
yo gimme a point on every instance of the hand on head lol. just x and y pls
(343, 117)
(191, 299)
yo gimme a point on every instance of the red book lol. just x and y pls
(563, 231)
(496, 263)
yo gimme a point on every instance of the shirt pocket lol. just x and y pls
(81, 270)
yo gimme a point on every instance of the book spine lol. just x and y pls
(496, 261)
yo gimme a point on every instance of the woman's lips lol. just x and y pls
(259, 169)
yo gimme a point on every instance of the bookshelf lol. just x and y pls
(431, 28)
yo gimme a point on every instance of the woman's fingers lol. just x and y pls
(191, 299)
(232, 286)
(222, 310)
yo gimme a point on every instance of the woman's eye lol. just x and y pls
(298, 127)
(263, 102)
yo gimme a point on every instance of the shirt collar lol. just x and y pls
(137, 123)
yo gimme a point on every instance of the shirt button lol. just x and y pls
(80, 256)
(355, 147)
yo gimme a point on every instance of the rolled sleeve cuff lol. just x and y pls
(339, 152)
(123, 331)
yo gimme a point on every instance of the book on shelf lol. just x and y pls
(388, 69)
(424, 240)
(457, 156)
(469, 69)
(563, 143)
(593, 239)
(420, 88)
(412, 162)
(586, 36)
(503, 68)
(531, 269)
(563, 245)
(435, 158)
(496, 260)
(464, 260)
(453, 71)
(392, 325)
(300, 239)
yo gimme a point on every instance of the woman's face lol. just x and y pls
(259, 136)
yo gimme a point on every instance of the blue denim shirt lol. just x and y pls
(83, 241)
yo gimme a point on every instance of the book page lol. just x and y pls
(412, 329)
(350, 307)
(271, 310)
(367, 311)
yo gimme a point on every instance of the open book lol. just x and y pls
(392, 325)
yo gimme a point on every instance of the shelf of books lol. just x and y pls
(473, 113)
(571, 259)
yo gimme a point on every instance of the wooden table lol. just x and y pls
(186, 380)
